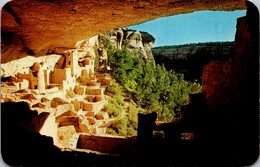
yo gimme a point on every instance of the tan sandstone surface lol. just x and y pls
(33, 27)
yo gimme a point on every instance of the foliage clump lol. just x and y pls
(125, 117)
(151, 87)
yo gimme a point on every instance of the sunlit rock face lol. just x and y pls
(135, 41)
(141, 42)
(33, 27)
(191, 59)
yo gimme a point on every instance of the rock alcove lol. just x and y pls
(34, 27)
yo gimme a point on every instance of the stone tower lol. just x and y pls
(41, 80)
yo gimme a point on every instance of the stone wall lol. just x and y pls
(133, 40)
(50, 128)
(216, 84)
(229, 82)
(58, 76)
(107, 144)
(232, 88)
(245, 85)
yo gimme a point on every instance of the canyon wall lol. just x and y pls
(34, 27)
(135, 41)
(231, 87)
(216, 84)
(190, 59)
(239, 73)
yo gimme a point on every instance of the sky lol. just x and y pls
(201, 26)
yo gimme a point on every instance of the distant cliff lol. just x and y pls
(191, 58)
(133, 40)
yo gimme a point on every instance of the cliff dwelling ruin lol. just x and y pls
(55, 74)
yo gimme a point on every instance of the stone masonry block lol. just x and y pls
(98, 91)
(97, 98)
(90, 92)
(76, 105)
(79, 90)
(87, 107)
(91, 121)
(90, 98)
(90, 114)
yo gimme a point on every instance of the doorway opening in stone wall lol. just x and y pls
(178, 90)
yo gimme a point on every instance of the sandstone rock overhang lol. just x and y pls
(37, 27)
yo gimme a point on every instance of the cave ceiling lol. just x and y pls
(40, 26)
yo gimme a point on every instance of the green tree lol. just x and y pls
(151, 87)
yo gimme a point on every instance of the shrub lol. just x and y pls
(125, 125)
(113, 108)
(132, 117)
(151, 87)
(96, 65)
(114, 88)
(111, 131)
(131, 131)
(119, 126)
(122, 127)
(119, 99)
